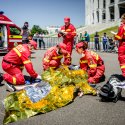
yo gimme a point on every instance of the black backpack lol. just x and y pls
(110, 93)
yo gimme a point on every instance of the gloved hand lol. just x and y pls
(91, 80)
(38, 79)
(76, 67)
(73, 67)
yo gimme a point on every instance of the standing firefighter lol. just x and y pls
(52, 58)
(13, 64)
(91, 62)
(68, 32)
(120, 36)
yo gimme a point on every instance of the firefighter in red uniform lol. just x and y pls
(13, 64)
(91, 62)
(120, 36)
(52, 58)
(68, 32)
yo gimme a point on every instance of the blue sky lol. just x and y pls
(43, 12)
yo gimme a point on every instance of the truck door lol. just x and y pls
(3, 36)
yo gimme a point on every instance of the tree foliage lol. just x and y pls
(37, 28)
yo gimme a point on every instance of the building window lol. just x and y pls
(112, 13)
(93, 18)
(104, 4)
(111, 1)
(103, 16)
(98, 3)
(97, 12)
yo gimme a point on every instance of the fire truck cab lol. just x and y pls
(9, 34)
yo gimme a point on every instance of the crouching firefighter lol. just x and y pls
(13, 64)
(52, 58)
(92, 63)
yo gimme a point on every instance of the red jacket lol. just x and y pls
(71, 32)
(19, 56)
(121, 33)
(52, 55)
(90, 61)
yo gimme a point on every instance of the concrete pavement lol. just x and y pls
(83, 111)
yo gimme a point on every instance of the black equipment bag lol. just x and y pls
(110, 93)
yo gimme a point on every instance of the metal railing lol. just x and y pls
(52, 41)
(49, 41)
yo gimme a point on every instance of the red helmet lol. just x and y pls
(82, 44)
(66, 19)
(62, 46)
(33, 43)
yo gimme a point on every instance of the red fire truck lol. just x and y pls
(9, 34)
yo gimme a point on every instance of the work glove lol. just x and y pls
(38, 79)
(74, 67)
(91, 80)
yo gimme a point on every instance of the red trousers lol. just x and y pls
(95, 78)
(13, 74)
(121, 57)
(67, 60)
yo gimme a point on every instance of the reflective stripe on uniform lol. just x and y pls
(14, 80)
(74, 33)
(17, 52)
(118, 37)
(67, 56)
(68, 30)
(21, 67)
(84, 61)
(57, 57)
(93, 65)
(52, 67)
(63, 30)
(46, 60)
(15, 36)
(97, 57)
(123, 66)
(26, 62)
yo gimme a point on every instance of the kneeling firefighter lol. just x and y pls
(52, 58)
(13, 64)
(91, 62)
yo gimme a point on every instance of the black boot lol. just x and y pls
(102, 79)
(1, 77)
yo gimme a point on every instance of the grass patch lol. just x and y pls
(107, 31)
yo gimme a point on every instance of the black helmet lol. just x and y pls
(109, 92)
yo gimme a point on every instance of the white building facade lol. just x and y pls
(103, 11)
(52, 29)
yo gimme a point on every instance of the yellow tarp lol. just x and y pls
(63, 82)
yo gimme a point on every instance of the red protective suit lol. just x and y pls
(120, 36)
(52, 58)
(68, 39)
(13, 63)
(93, 64)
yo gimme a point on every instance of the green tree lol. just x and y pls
(37, 28)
